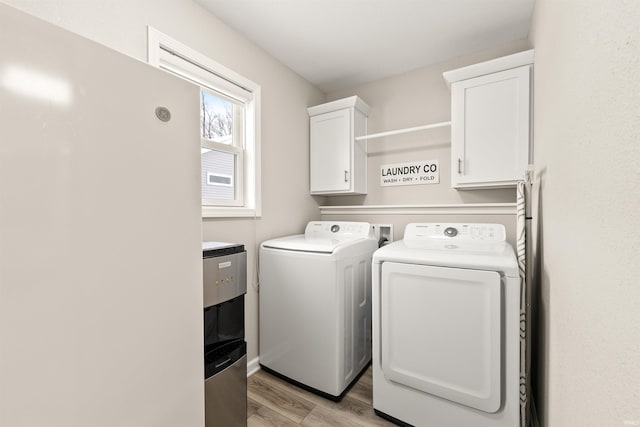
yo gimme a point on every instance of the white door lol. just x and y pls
(100, 235)
(330, 158)
(490, 128)
(441, 332)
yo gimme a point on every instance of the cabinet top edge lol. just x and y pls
(352, 101)
(492, 66)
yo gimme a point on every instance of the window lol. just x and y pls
(229, 120)
(222, 146)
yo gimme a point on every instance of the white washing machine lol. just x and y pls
(315, 305)
(446, 323)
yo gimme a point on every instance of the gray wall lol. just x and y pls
(587, 134)
(417, 98)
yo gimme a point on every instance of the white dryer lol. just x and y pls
(446, 323)
(315, 305)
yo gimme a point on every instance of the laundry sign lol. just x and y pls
(411, 173)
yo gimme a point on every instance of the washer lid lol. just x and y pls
(476, 247)
(301, 243)
(323, 237)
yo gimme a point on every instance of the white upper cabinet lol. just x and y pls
(490, 122)
(338, 163)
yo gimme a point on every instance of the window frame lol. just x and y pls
(173, 56)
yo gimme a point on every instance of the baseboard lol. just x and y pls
(253, 366)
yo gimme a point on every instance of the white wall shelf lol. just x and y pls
(444, 209)
(405, 130)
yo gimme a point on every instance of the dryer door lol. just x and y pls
(441, 332)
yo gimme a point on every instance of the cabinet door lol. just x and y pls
(330, 152)
(490, 129)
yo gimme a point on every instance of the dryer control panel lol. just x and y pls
(455, 231)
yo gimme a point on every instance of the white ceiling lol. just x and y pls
(341, 43)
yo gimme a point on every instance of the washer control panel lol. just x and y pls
(337, 229)
(451, 232)
(455, 231)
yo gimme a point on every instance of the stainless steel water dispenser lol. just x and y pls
(225, 360)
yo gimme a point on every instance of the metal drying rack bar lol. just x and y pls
(399, 131)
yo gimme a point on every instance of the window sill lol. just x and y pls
(228, 212)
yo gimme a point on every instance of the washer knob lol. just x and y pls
(450, 232)
(335, 228)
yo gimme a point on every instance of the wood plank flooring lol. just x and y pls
(274, 402)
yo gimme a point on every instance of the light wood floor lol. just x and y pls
(274, 402)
